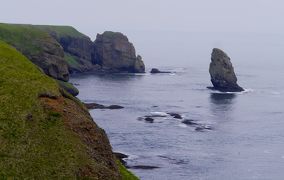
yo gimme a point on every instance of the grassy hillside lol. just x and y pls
(38, 46)
(24, 37)
(61, 31)
(43, 134)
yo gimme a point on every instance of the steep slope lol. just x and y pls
(44, 131)
(78, 47)
(38, 46)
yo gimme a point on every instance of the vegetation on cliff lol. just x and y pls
(44, 131)
(38, 46)
(78, 47)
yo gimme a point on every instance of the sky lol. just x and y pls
(154, 15)
(160, 25)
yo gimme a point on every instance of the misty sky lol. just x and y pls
(163, 30)
(156, 15)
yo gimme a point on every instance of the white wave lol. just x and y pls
(182, 125)
(275, 93)
(132, 157)
(161, 114)
(243, 92)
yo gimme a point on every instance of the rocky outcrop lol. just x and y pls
(50, 59)
(100, 106)
(68, 87)
(78, 48)
(157, 71)
(39, 47)
(113, 52)
(222, 72)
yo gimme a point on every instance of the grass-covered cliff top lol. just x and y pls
(45, 133)
(61, 31)
(26, 38)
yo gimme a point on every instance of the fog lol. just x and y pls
(168, 32)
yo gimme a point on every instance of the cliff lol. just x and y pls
(39, 47)
(60, 50)
(78, 47)
(44, 131)
(115, 53)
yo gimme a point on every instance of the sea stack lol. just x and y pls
(113, 52)
(222, 72)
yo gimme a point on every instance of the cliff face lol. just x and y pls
(78, 47)
(58, 50)
(46, 132)
(39, 47)
(115, 53)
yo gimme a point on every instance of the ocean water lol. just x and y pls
(235, 135)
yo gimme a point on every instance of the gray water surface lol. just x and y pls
(245, 139)
(245, 131)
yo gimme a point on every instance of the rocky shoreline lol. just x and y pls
(59, 51)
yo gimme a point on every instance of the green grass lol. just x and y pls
(71, 60)
(25, 38)
(34, 142)
(61, 31)
(126, 174)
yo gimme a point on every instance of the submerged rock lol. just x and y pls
(189, 122)
(222, 72)
(114, 52)
(100, 106)
(157, 71)
(175, 115)
(149, 119)
(144, 167)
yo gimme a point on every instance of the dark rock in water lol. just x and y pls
(175, 115)
(113, 52)
(148, 119)
(114, 107)
(156, 71)
(144, 167)
(94, 106)
(189, 122)
(121, 157)
(202, 128)
(100, 106)
(222, 72)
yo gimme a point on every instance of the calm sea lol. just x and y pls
(240, 135)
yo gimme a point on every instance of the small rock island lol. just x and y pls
(222, 73)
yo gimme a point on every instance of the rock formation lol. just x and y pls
(157, 71)
(222, 72)
(58, 50)
(39, 47)
(78, 47)
(115, 53)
